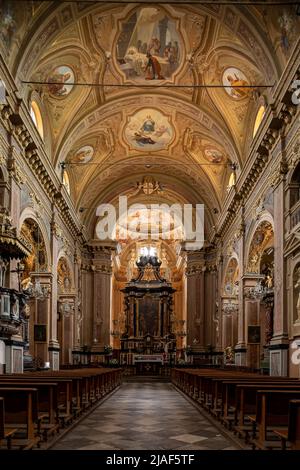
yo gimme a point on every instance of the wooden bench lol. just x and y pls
(272, 412)
(6, 432)
(21, 412)
(231, 396)
(47, 403)
(246, 398)
(292, 433)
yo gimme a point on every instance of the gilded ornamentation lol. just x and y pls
(63, 276)
(259, 207)
(56, 230)
(2, 159)
(147, 186)
(260, 240)
(36, 203)
(34, 238)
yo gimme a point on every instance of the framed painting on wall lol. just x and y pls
(253, 334)
(40, 333)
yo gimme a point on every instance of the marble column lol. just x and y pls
(102, 282)
(279, 342)
(209, 300)
(66, 310)
(195, 301)
(240, 347)
(13, 205)
(251, 319)
(41, 314)
(229, 322)
(54, 346)
(77, 330)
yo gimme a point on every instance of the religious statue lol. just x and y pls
(269, 281)
(67, 284)
(27, 284)
(79, 321)
(297, 286)
(235, 288)
(3, 266)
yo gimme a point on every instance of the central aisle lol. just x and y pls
(149, 416)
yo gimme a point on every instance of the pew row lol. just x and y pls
(235, 399)
(57, 399)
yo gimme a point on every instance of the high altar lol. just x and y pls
(149, 338)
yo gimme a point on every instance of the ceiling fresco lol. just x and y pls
(149, 46)
(165, 90)
(60, 81)
(149, 130)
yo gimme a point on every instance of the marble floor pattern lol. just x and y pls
(145, 416)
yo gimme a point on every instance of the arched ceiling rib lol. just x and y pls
(199, 131)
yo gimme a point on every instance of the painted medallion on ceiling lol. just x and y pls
(149, 130)
(149, 46)
(236, 83)
(83, 155)
(61, 81)
(213, 155)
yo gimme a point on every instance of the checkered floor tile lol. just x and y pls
(149, 416)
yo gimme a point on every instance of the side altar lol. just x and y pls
(149, 319)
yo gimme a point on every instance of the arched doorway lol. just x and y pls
(36, 283)
(259, 295)
(230, 309)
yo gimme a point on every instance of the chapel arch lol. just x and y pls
(36, 281)
(66, 298)
(259, 293)
(230, 291)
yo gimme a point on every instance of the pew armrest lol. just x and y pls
(9, 432)
(283, 435)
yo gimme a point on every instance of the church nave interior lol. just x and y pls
(149, 224)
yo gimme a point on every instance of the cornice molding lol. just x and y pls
(284, 115)
(15, 119)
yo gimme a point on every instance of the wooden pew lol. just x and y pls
(88, 385)
(292, 433)
(58, 393)
(6, 432)
(272, 408)
(230, 397)
(246, 397)
(64, 392)
(47, 403)
(21, 411)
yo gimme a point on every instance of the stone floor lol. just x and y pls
(148, 416)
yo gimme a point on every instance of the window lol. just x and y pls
(37, 118)
(148, 251)
(259, 117)
(66, 182)
(231, 181)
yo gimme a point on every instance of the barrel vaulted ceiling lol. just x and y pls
(131, 125)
